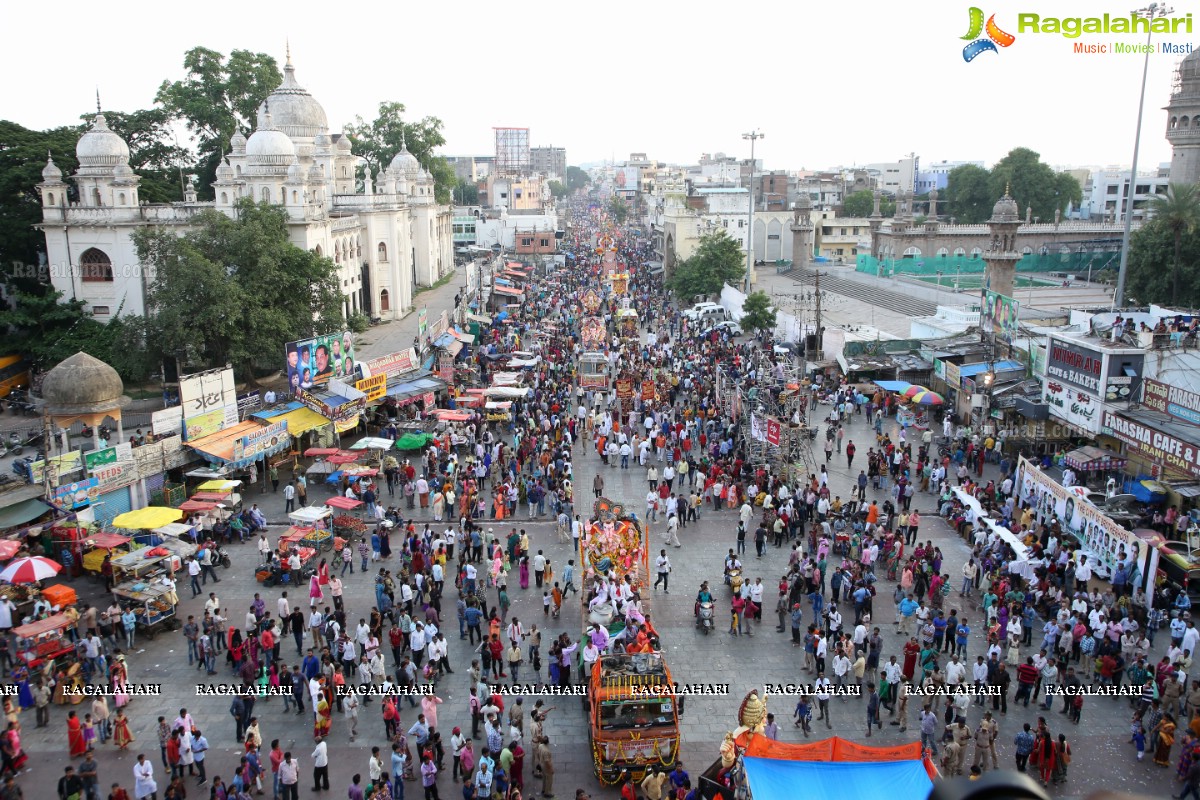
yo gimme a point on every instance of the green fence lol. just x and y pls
(1074, 263)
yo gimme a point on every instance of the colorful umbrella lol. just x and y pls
(30, 570)
(218, 486)
(925, 398)
(148, 517)
(914, 389)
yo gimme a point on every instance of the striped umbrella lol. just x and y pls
(925, 397)
(30, 570)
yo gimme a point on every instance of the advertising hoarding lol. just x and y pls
(1075, 365)
(313, 362)
(998, 315)
(1174, 401)
(260, 441)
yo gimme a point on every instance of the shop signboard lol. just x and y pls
(78, 494)
(167, 421)
(624, 389)
(446, 366)
(63, 466)
(206, 391)
(341, 413)
(422, 322)
(248, 403)
(439, 326)
(149, 458)
(109, 455)
(1077, 408)
(263, 440)
(1074, 365)
(953, 375)
(392, 364)
(429, 399)
(939, 369)
(1174, 401)
(1156, 446)
(1099, 534)
(115, 475)
(374, 387)
(313, 362)
(207, 424)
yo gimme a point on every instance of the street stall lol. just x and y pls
(1094, 464)
(153, 604)
(316, 521)
(99, 544)
(43, 640)
(145, 520)
(593, 371)
(276, 571)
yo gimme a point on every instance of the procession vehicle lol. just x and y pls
(632, 710)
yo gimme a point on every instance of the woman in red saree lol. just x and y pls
(122, 737)
(75, 735)
(324, 719)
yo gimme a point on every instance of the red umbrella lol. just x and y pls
(343, 458)
(9, 548)
(30, 570)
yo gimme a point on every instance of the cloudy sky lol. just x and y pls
(830, 84)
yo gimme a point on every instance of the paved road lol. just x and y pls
(865, 292)
(1102, 760)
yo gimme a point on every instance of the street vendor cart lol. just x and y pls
(100, 544)
(43, 640)
(276, 571)
(317, 523)
(151, 603)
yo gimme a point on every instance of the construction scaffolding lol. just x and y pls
(512, 151)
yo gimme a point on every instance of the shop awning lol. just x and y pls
(465, 338)
(893, 386)
(277, 412)
(303, 420)
(508, 291)
(482, 319)
(22, 512)
(971, 370)
(412, 388)
(218, 448)
(1186, 489)
(1093, 459)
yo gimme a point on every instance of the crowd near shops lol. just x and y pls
(884, 634)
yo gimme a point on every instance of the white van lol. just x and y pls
(695, 311)
(711, 316)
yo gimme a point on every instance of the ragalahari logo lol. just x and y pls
(995, 36)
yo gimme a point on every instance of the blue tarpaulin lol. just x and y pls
(776, 779)
(893, 386)
(971, 370)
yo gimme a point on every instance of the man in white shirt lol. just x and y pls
(662, 566)
(320, 756)
(979, 678)
(956, 672)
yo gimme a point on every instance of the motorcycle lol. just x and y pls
(704, 616)
(734, 578)
(221, 557)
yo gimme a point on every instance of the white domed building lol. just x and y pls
(387, 239)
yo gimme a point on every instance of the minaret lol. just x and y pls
(1001, 257)
(802, 228)
(876, 222)
(1183, 122)
(931, 221)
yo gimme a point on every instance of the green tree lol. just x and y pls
(1179, 212)
(577, 178)
(22, 157)
(862, 203)
(619, 209)
(757, 313)
(1033, 184)
(557, 189)
(218, 97)
(1152, 249)
(466, 194)
(153, 152)
(718, 260)
(46, 328)
(968, 195)
(233, 290)
(381, 139)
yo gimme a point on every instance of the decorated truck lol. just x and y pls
(631, 705)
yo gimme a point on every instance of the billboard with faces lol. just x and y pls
(311, 363)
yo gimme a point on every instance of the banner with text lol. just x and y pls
(203, 395)
(1160, 448)
(109, 455)
(167, 422)
(265, 440)
(374, 387)
(61, 467)
(71, 496)
(1171, 400)
(392, 364)
(313, 362)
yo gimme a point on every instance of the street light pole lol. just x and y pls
(1150, 12)
(753, 136)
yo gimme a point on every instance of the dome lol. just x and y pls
(51, 172)
(238, 142)
(268, 144)
(123, 171)
(224, 171)
(405, 163)
(82, 381)
(100, 147)
(322, 142)
(1006, 209)
(1189, 68)
(295, 172)
(315, 173)
(296, 112)
(343, 143)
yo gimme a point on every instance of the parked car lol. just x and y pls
(732, 328)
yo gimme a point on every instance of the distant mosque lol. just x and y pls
(386, 240)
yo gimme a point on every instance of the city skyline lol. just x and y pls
(827, 88)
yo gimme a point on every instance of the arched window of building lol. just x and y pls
(239, 170)
(266, 195)
(121, 198)
(1183, 122)
(912, 252)
(381, 250)
(95, 266)
(1174, 122)
(976, 252)
(959, 252)
(1028, 251)
(50, 198)
(224, 198)
(385, 300)
(942, 252)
